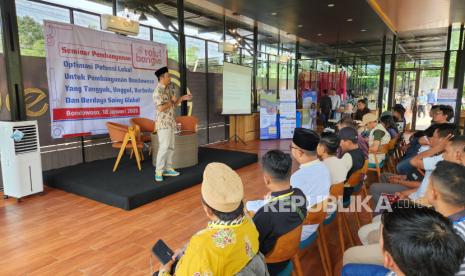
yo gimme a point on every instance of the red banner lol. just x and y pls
(63, 114)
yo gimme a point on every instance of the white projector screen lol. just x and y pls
(237, 89)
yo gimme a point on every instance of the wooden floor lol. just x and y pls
(59, 233)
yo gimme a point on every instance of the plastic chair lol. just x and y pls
(124, 137)
(287, 248)
(188, 123)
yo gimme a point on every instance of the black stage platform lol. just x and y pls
(129, 188)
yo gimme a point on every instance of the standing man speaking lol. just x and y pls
(165, 101)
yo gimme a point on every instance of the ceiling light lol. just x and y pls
(363, 30)
(300, 26)
(274, 13)
(143, 17)
(319, 34)
(349, 19)
(331, 5)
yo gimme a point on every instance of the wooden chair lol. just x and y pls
(379, 165)
(287, 248)
(389, 161)
(317, 215)
(188, 123)
(337, 191)
(356, 182)
(124, 137)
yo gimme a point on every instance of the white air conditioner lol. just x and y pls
(20, 159)
(227, 48)
(119, 25)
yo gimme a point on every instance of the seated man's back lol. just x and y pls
(285, 211)
(220, 249)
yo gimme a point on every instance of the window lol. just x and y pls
(30, 25)
(197, 83)
(4, 112)
(97, 6)
(144, 33)
(87, 20)
(171, 41)
(216, 122)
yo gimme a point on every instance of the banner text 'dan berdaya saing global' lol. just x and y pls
(95, 77)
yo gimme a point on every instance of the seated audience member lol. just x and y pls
(348, 111)
(362, 110)
(368, 234)
(362, 143)
(352, 154)
(229, 244)
(443, 114)
(415, 241)
(388, 122)
(419, 142)
(398, 112)
(312, 177)
(326, 151)
(377, 137)
(426, 160)
(271, 221)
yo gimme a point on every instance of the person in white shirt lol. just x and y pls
(312, 177)
(368, 253)
(326, 150)
(335, 102)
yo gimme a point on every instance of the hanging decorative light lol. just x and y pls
(143, 17)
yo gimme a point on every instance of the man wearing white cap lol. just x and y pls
(378, 136)
(229, 244)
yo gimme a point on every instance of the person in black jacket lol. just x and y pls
(362, 109)
(285, 207)
(325, 108)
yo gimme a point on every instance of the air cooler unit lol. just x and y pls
(20, 159)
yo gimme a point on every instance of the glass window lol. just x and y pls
(283, 66)
(30, 25)
(97, 6)
(171, 41)
(273, 73)
(197, 83)
(87, 20)
(216, 122)
(144, 33)
(195, 54)
(262, 69)
(290, 74)
(4, 112)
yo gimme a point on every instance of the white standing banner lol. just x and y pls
(287, 113)
(448, 97)
(95, 77)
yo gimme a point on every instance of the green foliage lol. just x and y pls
(31, 37)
